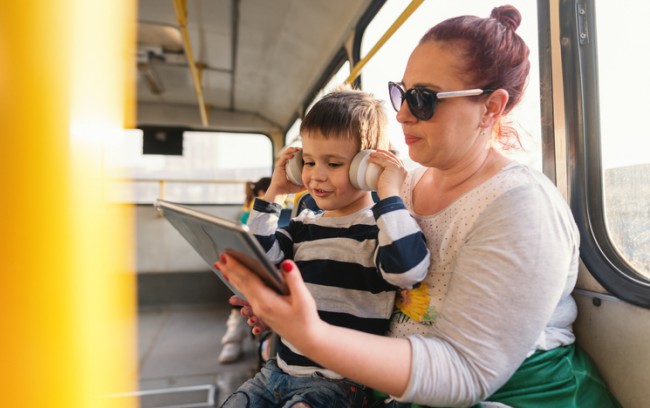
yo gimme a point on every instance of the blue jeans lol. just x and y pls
(272, 387)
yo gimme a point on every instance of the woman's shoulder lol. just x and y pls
(515, 185)
(525, 189)
(511, 175)
(518, 175)
(515, 175)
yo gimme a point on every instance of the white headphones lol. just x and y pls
(363, 175)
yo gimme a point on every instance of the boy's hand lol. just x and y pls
(393, 173)
(280, 185)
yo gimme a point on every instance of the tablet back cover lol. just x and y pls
(210, 236)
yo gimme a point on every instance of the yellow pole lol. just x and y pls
(356, 70)
(181, 15)
(67, 294)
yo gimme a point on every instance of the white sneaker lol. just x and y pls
(236, 330)
(230, 352)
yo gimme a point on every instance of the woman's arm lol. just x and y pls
(382, 363)
(512, 271)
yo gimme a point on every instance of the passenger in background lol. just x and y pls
(253, 190)
(353, 254)
(236, 328)
(491, 324)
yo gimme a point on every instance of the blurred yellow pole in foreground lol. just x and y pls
(67, 292)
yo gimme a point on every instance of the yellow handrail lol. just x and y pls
(356, 70)
(163, 182)
(181, 14)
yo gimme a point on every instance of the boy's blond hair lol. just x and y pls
(347, 113)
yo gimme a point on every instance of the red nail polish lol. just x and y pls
(223, 258)
(287, 267)
(216, 266)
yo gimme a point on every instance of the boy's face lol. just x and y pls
(325, 173)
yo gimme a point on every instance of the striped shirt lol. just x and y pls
(352, 265)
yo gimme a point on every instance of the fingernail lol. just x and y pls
(216, 266)
(287, 267)
(256, 330)
(226, 277)
(252, 321)
(223, 258)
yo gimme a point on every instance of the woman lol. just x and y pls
(492, 320)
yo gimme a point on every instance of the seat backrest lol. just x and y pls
(285, 217)
(301, 201)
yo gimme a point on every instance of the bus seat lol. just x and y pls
(301, 201)
(285, 217)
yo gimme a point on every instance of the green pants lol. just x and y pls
(563, 377)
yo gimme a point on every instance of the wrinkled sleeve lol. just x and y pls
(402, 254)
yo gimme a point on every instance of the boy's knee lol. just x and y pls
(237, 400)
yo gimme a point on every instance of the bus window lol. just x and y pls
(604, 100)
(623, 107)
(212, 169)
(389, 62)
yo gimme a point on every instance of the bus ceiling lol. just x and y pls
(238, 65)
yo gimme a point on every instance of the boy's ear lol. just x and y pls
(495, 106)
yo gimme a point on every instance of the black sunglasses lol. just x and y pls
(422, 101)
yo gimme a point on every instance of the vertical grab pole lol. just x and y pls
(67, 302)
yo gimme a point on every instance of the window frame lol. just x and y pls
(582, 112)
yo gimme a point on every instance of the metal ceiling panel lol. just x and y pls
(280, 49)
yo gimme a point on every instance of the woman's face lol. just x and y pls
(452, 137)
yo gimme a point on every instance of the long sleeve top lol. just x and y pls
(504, 260)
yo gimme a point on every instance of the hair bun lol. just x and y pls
(507, 15)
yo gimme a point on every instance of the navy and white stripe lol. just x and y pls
(352, 264)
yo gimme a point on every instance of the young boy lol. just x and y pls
(353, 255)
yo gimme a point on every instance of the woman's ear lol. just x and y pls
(495, 106)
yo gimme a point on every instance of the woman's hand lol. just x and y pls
(293, 316)
(393, 174)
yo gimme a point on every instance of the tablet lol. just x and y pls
(211, 236)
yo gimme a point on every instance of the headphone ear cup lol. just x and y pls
(294, 168)
(364, 175)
